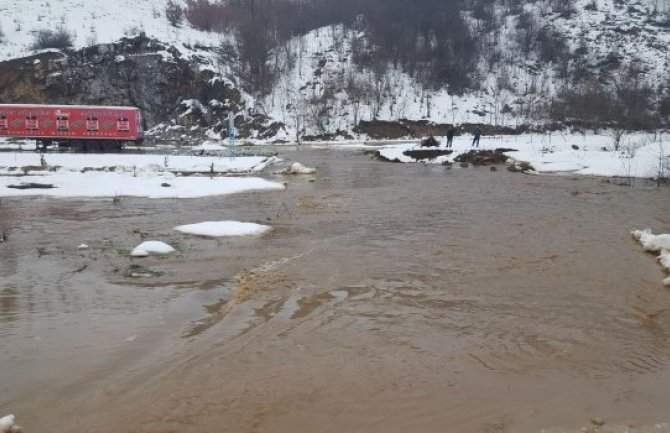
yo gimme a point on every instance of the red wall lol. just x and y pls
(77, 122)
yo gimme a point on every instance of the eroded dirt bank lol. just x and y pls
(388, 298)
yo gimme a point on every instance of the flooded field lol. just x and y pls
(388, 298)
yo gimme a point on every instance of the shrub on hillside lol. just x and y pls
(174, 13)
(203, 15)
(59, 38)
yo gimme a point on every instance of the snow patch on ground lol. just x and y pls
(97, 184)
(112, 175)
(639, 155)
(223, 228)
(13, 162)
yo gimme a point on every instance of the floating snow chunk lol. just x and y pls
(151, 247)
(7, 425)
(223, 228)
(297, 168)
(82, 247)
(656, 244)
(664, 260)
(650, 242)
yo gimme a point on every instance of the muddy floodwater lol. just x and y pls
(388, 298)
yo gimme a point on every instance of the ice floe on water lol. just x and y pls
(148, 248)
(659, 244)
(7, 425)
(651, 242)
(223, 228)
(297, 168)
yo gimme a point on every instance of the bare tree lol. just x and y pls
(174, 13)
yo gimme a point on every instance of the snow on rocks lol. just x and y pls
(223, 228)
(655, 244)
(298, 168)
(151, 247)
(7, 425)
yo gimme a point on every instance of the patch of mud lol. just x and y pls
(137, 271)
(483, 157)
(426, 154)
(31, 185)
(314, 205)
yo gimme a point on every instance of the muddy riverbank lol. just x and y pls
(387, 298)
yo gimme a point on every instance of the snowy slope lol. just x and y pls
(90, 22)
(320, 90)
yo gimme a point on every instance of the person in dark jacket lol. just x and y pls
(450, 137)
(475, 140)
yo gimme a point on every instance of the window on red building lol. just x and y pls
(31, 123)
(62, 123)
(92, 124)
(123, 125)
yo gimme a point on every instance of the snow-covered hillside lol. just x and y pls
(320, 91)
(90, 22)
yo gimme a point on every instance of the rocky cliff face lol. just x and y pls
(135, 71)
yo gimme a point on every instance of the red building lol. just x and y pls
(81, 127)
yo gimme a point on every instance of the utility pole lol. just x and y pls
(231, 136)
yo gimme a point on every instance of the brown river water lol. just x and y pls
(388, 298)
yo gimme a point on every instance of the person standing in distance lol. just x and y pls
(475, 140)
(450, 137)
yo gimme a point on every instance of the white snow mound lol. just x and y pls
(650, 242)
(664, 260)
(656, 244)
(7, 425)
(223, 228)
(151, 247)
(298, 168)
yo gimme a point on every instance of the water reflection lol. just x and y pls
(8, 304)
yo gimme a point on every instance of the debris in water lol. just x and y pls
(136, 271)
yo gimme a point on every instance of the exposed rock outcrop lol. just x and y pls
(137, 71)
